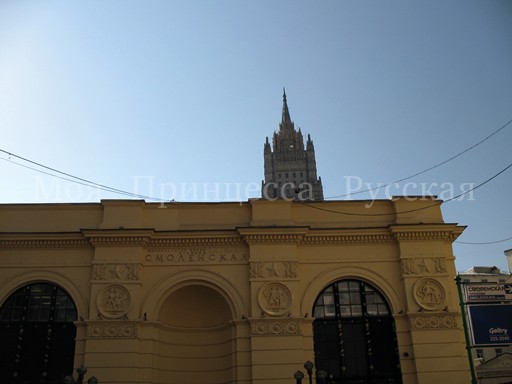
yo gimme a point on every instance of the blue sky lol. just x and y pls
(178, 96)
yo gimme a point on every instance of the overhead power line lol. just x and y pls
(425, 170)
(79, 180)
(75, 179)
(410, 210)
(483, 243)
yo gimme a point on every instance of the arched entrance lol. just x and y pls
(37, 334)
(196, 339)
(354, 334)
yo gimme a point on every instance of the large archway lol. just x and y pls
(196, 342)
(38, 335)
(354, 334)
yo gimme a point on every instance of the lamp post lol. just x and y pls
(298, 377)
(321, 375)
(309, 368)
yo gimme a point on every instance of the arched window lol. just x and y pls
(354, 334)
(37, 335)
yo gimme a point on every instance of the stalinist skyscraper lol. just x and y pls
(290, 170)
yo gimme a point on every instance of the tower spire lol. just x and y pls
(290, 169)
(286, 114)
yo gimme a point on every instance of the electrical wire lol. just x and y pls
(410, 210)
(75, 179)
(483, 243)
(425, 170)
(89, 183)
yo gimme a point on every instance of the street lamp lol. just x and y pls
(309, 368)
(81, 370)
(298, 377)
(321, 376)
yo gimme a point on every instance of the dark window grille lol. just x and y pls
(38, 335)
(354, 335)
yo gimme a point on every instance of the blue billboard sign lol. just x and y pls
(491, 324)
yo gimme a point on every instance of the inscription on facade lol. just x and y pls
(197, 255)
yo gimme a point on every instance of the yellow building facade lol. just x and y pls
(146, 293)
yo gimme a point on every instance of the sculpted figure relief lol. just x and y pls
(114, 301)
(274, 299)
(429, 294)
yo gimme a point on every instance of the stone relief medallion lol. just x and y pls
(114, 301)
(429, 294)
(275, 299)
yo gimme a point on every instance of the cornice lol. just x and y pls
(118, 237)
(190, 240)
(353, 236)
(274, 235)
(47, 241)
(426, 232)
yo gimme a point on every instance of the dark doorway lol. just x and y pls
(354, 335)
(37, 335)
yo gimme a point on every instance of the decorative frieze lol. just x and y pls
(418, 266)
(441, 321)
(118, 241)
(273, 327)
(54, 243)
(124, 272)
(171, 242)
(273, 238)
(422, 235)
(109, 329)
(273, 270)
(347, 239)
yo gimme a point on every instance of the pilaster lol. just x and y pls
(430, 304)
(277, 327)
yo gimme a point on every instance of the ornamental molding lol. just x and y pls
(429, 322)
(56, 241)
(165, 242)
(111, 329)
(118, 241)
(359, 238)
(118, 237)
(426, 232)
(423, 235)
(273, 235)
(274, 238)
(272, 327)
